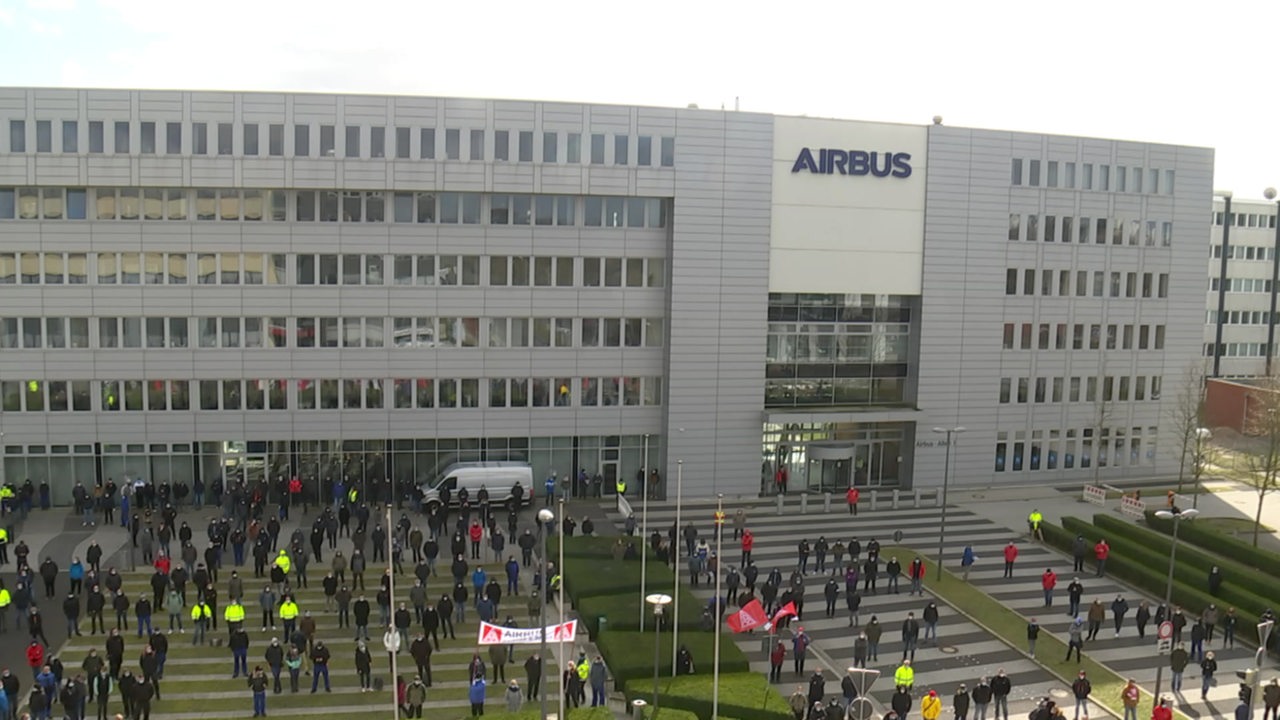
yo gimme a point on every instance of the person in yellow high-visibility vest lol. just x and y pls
(352, 495)
(621, 486)
(234, 615)
(283, 562)
(201, 613)
(1033, 521)
(905, 675)
(4, 546)
(718, 521)
(5, 599)
(288, 615)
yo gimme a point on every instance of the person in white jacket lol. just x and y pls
(391, 641)
(514, 696)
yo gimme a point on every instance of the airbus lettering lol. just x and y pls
(830, 161)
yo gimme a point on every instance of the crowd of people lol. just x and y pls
(192, 591)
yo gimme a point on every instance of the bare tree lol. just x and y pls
(1262, 459)
(1103, 409)
(1186, 416)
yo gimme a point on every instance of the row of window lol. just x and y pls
(236, 268)
(326, 394)
(1058, 282)
(348, 141)
(34, 333)
(1105, 178)
(348, 206)
(1240, 317)
(1049, 449)
(1239, 350)
(1241, 285)
(1253, 220)
(800, 392)
(1053, 390)
(1064, 336)
(837, 342)
(1090, 231)
(1244, 252)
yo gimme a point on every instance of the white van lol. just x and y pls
(500, 478)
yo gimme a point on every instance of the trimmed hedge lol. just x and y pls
(586, 576)
(1218, 542)
(531, 711)
(630, 654)
(623, 612)
(583, 546)
(743, 696)
(1145, 571)
(1243, 587)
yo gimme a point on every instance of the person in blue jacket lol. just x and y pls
(476, 693)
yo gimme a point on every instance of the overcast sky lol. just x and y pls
(1184, 73)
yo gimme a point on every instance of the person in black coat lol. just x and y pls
(901, 701)
(817, 687)
(684, 661)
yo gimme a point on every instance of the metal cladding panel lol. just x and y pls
(970, 198)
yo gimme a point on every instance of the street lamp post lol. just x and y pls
(391, 590)
(658, 601)
(1202, 434)
(946, 482)
(545, 518)
(644, 524)
(675, 575)
(1177, 518)
(715, 662)
(560, 602)
(1222, 283)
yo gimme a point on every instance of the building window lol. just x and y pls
(250, 137)
(477, 145)
(597, 149)
(644, 151)
(549, 150)
(226, 138)
(501, 145)
(620, 149)
(44, 136)
(452, 144)
(97, 142)
(668, 152)
(71, 136)
(402, 143)
(525, 146)
(121, 146)
(573, 148)
(1015, 175)
(302, 140)
(377, 142)
(275, 140)
(328, 140)
(17, 136)
(427, 144)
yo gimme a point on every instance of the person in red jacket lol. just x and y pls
(476, 531)
(1162, 711)
(1048, 581)
(35, 657)
(1010, 554)
(1101, 552)
(163, 563)
(915, 571)
(851, 497)
(748, 542)
(776, 657)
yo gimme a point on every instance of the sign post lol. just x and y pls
(1164, 638)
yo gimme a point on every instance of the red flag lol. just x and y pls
(788, 610)
(750, 616)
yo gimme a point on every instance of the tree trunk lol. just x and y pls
(1257, 518)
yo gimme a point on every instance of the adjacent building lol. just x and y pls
(1248, 319)
(199, 284)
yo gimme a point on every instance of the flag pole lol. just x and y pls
(715, 665)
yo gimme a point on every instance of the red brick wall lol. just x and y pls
(1226, 404)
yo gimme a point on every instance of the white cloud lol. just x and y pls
(39, 27)
(52, 5)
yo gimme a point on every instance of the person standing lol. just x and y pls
(930, 617)
(1101, 552)
(1271, 700)
(1129, 697)
(1178, 660)
(1074, 592)
(873, 631)
(910, 636)
(931, 706)
(779, 654)
(1079, 548)
(799, 650)
(1119, 607)
(1001, 686)
(1097, 613)
(1081, 689)
(1197, 641)
(1208, 667)
(981, 699)
(239, 645)
(1048, 581)
(1034, 522)
(532, 676)
(258, 686)
(1033, 634)
(1010, 554)
(1075, 639)
(967, 559)
(915, 571)
(364, 664)
(476, 695)
(1142, 617)
(100, 686)
(415, 695)
(851, 497)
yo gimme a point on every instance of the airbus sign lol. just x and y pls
(832, 161)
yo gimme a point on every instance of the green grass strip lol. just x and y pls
(1011, 627)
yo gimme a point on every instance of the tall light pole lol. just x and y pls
(946, 481)
(391, 589)
(1202, 434)
(1222, 282)
(715, 662)
(1177, 518)
(644, 524)
(545, 518)
(675, 575)
(560, 602)
(1270, 194)
(658, 601)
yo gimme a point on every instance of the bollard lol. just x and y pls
(915, 498)
(637, 708)
(896, 494)
(826, 502)
(875, 499)
(779, 498)
(804, 503)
